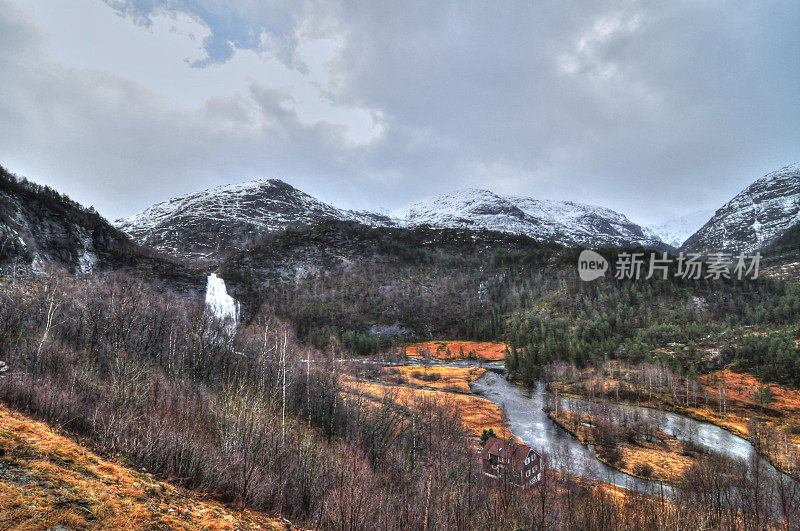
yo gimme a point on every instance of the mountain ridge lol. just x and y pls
(194, 225)
(564, 222)
(212, 223)
(753, 218)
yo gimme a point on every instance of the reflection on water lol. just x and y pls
(523, 408)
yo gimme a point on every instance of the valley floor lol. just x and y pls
(726, 399)
(457, 350)
(645, 452)
(410, 385)
(660, 457)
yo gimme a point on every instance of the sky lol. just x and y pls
(654, 109)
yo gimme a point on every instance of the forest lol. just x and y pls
(369, 290)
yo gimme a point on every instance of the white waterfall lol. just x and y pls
(219, 303)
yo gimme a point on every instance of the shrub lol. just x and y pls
(612, 455)
(426, 376)
(486, 435)
(643, 470)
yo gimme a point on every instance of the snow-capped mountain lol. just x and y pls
(676, 231)
(756, 217)
(213, 222)
(564, 222)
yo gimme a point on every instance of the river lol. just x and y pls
(523, 407)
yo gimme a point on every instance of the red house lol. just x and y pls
(514, 460)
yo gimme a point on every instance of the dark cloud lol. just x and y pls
(653, 109)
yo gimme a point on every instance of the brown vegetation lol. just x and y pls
(450, 379)
(733, 401)
(50, 480)
(457, 350)
(643, 451)
(258, 420)
(150, 376)
(476, 413)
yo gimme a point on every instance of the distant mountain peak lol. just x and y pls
(213, 222)
(677, 230)
(460, 205)
(564, 222)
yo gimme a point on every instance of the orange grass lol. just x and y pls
(665, 458)
(743, 387)
(450, 379)
(741, 405)
(477, 413)
(48, 480)
(457, 350)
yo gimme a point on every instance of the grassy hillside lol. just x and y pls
(48, 480)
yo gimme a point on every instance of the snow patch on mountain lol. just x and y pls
(564, 222)
(755, 217)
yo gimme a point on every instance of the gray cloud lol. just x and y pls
(651, 109)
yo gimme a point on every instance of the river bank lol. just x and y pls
(724, 399)
(646, 453)
(661, 450)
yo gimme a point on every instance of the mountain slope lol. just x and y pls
(788, 242)
(756, 217)
(40, 228)
(383, 283)
(38, 225)
(563, 222)
(782, 256)
(214, 222)
(48, 480)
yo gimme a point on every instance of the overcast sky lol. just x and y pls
(654, 109)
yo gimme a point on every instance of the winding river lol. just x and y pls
(523, 408)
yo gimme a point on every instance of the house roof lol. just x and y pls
(512, 451)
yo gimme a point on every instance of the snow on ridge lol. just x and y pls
(452, 203)
(198, 223)
(754, 217)
(788, 172)
(564, 222)
(254, 201)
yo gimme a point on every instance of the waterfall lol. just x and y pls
(219, 303)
